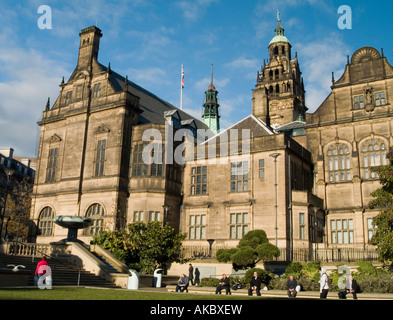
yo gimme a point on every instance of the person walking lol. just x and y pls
(191, 274)
(323, 283)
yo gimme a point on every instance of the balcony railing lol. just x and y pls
(300, 255)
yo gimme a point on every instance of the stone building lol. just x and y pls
(350, 133)
(90, 159)
(304, 178)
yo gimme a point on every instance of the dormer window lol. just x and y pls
(97, 90)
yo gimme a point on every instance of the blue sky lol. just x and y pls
(149, 40)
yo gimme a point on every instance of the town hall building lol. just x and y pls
(304, 178)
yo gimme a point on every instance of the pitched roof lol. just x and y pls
(258, 127)
(154, 108)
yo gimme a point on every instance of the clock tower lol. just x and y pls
(278, 98)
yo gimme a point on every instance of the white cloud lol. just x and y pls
(242, 63)
(193, 9)
(318, 60)
(28, 80)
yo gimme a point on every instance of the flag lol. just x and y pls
(182, 77)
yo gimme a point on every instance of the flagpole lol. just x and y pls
(181, 88)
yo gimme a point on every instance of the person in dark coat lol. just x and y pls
(224, 284)
(351, 286)
(255, 284)
(291, 286)
(191, 274)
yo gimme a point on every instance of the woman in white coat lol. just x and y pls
(323, 283)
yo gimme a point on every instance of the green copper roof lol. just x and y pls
(279, 31)
(279, 39)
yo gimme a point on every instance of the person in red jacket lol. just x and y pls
(40, 271)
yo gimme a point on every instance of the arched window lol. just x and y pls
(96, 214)
(45, 222)
(339, 163)
(373, 155)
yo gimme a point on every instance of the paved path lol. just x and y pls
(280, 293)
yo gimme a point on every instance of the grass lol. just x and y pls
(75, 293)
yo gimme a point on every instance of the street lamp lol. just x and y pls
(275, 156)
(210, 246)
(315, 209)
(166, 210)
(9, 172)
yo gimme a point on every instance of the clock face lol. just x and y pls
(365, 54)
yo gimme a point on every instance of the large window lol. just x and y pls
(52, 163)
(373, 155)
(139, 168)
(371, 229)
(339, 163)
(197, 228)
(239, 176)
(45, 222)
(100, 158)
(138, 216)
(380, 98)
(261, 168)
(198, 180)
(238, 225)
(154, 215)
(96, 214)
(302, 227)
(358, 102)
(341, 231)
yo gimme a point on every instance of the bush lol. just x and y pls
(209, 282)
(266, 276)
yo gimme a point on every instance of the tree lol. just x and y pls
(19, 204)
(144, 246)
(252, 248)
(383, 237)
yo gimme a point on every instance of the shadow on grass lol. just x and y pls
(81, 293)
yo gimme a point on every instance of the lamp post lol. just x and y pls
(315, 209)
(166, 210)
(210, 246)
(275, 156)
(9, 172)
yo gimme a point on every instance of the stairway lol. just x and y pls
(63, 274)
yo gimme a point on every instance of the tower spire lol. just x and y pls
(211, 86)
(211, 115)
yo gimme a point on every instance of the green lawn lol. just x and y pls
(74, 293)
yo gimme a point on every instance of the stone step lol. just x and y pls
(63, 274)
